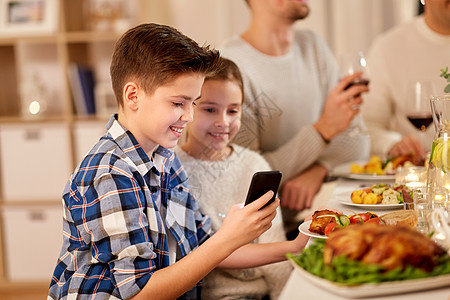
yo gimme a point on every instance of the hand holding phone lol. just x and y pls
(262, 182)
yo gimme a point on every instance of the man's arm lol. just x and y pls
(347, 146)
(298, 193)
(281, 158)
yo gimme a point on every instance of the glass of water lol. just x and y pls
(423, 209)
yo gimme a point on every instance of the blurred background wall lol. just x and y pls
(347, 25)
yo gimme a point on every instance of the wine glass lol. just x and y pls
(350, 63)
(418, 108)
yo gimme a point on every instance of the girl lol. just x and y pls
(219, 176)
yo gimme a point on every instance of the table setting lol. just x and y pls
(414, 180)
(385, 230)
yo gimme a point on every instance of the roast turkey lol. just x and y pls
(388, 246)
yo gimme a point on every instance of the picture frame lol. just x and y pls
(28, 17)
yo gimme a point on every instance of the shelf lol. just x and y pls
(15, 288)
(36, 66)
(27, 120)
(8, 82)
(28, 203)
(90, 37)
(31, 39)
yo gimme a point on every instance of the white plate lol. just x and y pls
(344, 198)
(304, 228)
(375, 289)
(343, 170)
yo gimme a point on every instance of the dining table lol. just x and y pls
(300, 286)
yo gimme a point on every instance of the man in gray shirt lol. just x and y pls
(297, 112)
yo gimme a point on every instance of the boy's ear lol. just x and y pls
(130, 95)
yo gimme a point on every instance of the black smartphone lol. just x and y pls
(262, 182)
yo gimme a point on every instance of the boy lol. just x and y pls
(129, 216)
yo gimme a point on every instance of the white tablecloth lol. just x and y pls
(298, 287)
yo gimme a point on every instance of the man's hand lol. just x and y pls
(299, 192)
(408, 145)
(341, 107)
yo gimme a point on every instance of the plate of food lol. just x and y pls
(322, 223)
(375, 168)
(325, 221)
(382, 260)
(378, 196)
(304, 228)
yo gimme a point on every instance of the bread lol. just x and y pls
(400, 217)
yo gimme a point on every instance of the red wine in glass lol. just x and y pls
(349, 63)
(420, 120)
(358, 81)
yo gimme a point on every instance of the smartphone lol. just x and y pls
(262, 182)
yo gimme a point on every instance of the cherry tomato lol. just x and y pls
(375, 220)
(359, 218)
(330, 228)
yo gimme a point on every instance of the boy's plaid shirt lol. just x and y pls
(114, 236)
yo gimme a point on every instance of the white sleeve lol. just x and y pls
(378, 107)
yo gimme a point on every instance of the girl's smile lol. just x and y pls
(217, 119)
(219, 135)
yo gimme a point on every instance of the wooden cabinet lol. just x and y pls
(35, 161)
(32, 234)
(39, 151)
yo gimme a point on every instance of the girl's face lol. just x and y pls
(217, 119)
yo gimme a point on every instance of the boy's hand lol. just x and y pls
(244, 224)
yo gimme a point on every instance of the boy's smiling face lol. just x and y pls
(160, 118)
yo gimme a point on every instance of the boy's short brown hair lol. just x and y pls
(152, 55)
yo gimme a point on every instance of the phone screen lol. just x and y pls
(262, 182)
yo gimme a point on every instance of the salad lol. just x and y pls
(377, 166)
(382, 194)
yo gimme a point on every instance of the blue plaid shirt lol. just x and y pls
(114, 233)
